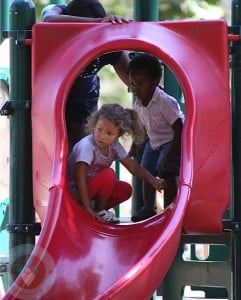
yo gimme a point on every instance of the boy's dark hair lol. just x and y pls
(85, 8)
(146, 62)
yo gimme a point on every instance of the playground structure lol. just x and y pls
(127, 261)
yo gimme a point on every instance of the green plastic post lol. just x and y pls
(236, 144)
(21, 211)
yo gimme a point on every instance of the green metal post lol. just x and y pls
(172, 86)
(146, 10)
(4, 20)
(236, 144)
(57, 1)
(143, 11)
(21, 211)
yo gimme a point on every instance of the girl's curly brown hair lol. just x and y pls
(126, 119)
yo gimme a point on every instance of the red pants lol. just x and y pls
(105, 184)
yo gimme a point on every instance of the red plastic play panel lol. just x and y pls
(76, 257)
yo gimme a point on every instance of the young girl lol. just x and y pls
(90, 174)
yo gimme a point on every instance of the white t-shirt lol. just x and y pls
(87, 151)
(158, 117)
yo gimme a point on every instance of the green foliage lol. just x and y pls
(113, 90)
(183, 9)
(120, 7)
(168, 9)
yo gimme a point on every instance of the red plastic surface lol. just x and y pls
(77, 257)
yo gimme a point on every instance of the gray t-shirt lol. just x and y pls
(87, 151)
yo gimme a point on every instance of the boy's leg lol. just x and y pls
(149, 194)
(171, 188)
(170, 176)
(149, 160)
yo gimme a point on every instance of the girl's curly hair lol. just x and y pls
(126, 119)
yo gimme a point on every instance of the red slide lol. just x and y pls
(77, 257)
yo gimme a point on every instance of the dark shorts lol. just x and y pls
(79, 112)
(83, 98)
(151, 159)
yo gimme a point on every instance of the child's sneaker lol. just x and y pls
(108, 216)
(143, 214)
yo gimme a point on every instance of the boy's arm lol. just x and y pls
(177, 137)
(135, 169)
(168, 162)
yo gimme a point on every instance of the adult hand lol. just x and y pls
(116, 19)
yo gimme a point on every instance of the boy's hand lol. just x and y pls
(158, 183)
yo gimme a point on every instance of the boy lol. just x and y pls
(163, 120)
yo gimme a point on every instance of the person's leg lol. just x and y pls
(107, 192)
(171, 188)
(149, 194)
(100, 187)
(75, 131)
(121, 192)
(79, 107)
(149, 160)
(170, 175)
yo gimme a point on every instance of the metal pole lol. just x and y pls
(57, 1)
(236, 144)
(4, 20)
(21, 211)
(146, 10)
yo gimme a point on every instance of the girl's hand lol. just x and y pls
(115, 19)
(158, 184)
(93, 214)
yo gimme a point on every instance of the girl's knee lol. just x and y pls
(108, 174)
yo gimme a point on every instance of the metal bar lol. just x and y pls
(234, 38)
(236, 146)
(21, 211)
